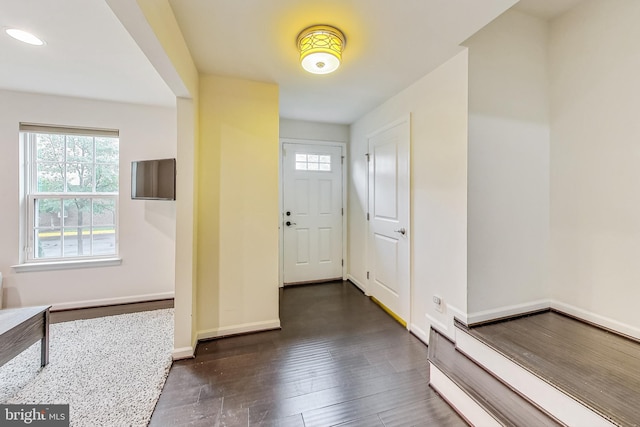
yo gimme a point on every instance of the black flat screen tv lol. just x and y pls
(153, 179)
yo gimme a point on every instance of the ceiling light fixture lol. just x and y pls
(321, 48)
(24, 36)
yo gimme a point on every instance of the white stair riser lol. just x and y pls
(553, 401)
(459, 399)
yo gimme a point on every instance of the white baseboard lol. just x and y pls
(458, 314)
(439, 326)
(238, 329)
(596, 319)
(446, 326)
(559, 405)
(112, 301)
(582, 314)
(507, 311)
(183, 353)
(418, 332)
(460, 400)
(357, 283)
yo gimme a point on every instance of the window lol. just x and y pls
(313, 162)
(71, 192)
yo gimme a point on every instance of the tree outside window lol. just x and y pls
(73, 194)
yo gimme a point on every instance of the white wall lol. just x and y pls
(595, 158)
(185, 317)
(508, 167)
(438, 107)
(146, 228)
(300, 129)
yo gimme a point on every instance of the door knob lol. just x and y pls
(288, 213)
(401, 231)
(289, 223)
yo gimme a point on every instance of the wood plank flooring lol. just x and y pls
(108, 310)
(596, 367)
(338, 360)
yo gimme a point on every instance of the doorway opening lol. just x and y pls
(313, 217)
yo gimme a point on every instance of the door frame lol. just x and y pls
(368, 245)
(345, 164)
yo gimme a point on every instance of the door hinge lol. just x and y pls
(342, 160)
(367, 275)
(367, 216)
(368, 157)
(343, 263)
(342, 211)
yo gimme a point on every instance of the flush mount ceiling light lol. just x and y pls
(321, 48)
(24, 36)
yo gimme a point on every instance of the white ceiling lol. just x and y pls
(390, 44)
(88, 53)
(546, 9)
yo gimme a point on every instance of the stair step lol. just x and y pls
(595, 368)
(502, 404)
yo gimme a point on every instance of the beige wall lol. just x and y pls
(508, 167)
(595, 158)
(164, 45)
(227, 217)
(237, 269)
(185, 327)
(593, 64)
(438, 107)
(302, 129)
(146, 229)
(153, 26)
(569, 85)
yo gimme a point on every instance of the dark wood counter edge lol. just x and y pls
(44, 343)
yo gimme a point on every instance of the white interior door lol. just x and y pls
(312, 213)
(388, 246)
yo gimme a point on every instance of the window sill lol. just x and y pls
(66, 265)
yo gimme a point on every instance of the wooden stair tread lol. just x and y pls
(507, 406)
(598, 368)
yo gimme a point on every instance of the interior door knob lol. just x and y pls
(401, 231)
(289, 223)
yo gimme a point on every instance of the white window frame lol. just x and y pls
(307, 162)
(28, 259)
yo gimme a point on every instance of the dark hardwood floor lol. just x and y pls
(109, 310)
(598, 368)
(338, 360)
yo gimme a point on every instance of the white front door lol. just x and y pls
(312, 212)
(388, 246)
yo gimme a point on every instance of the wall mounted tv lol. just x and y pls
(153, 179)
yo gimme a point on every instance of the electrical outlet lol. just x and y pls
(437, 301)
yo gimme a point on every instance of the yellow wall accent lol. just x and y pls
(237, 223)
(389, 312)
(160, 17)
(155, 29)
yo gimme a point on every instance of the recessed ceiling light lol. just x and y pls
(24, 36)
